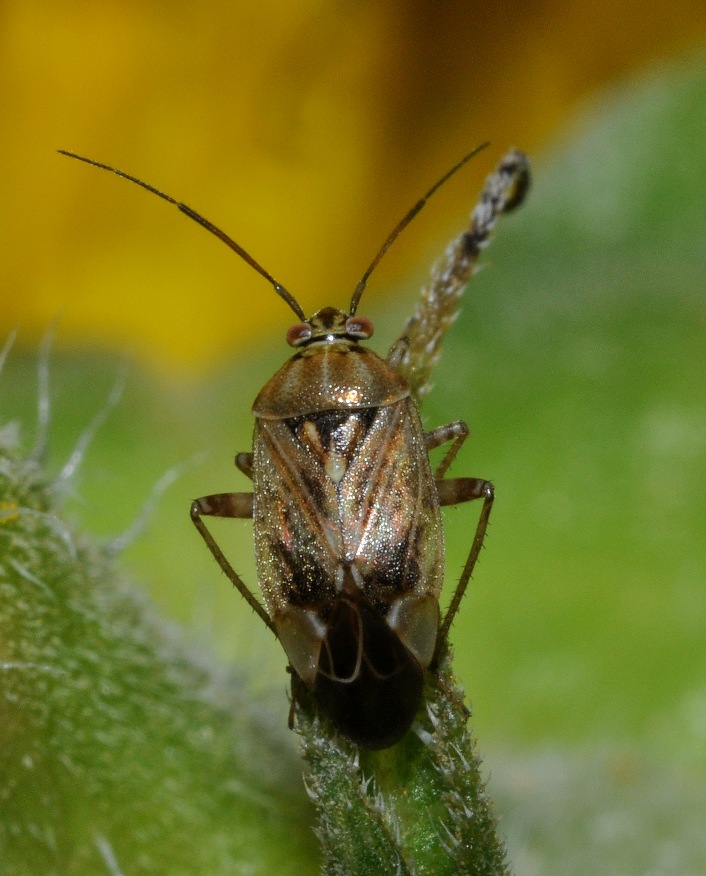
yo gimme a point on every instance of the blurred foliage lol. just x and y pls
(587, 349)
(578, 363)
(281, 122)
(577, 810)
(121, 751)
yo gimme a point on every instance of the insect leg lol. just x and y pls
(452, 492)
(233, 505)
(457, 433)
(244, 462)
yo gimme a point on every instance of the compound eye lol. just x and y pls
(299, 334)
(359, 327)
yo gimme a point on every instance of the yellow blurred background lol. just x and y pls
(305, 130)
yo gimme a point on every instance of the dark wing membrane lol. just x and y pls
(367, 680)
(296, 520)
(389, 506)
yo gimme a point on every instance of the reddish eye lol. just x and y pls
(299, 334)
(359, 327)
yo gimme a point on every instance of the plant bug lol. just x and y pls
(348, 535)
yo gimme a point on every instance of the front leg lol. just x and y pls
(232, 505)
(457, 432)
(244, 462)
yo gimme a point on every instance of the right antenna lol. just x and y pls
(402, 224)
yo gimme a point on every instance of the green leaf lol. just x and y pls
(122, 751)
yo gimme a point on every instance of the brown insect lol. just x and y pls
(347, 524)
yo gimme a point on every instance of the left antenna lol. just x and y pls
(204, 223)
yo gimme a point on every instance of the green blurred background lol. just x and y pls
(578, 362)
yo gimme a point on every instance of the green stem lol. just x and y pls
(419, 807)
